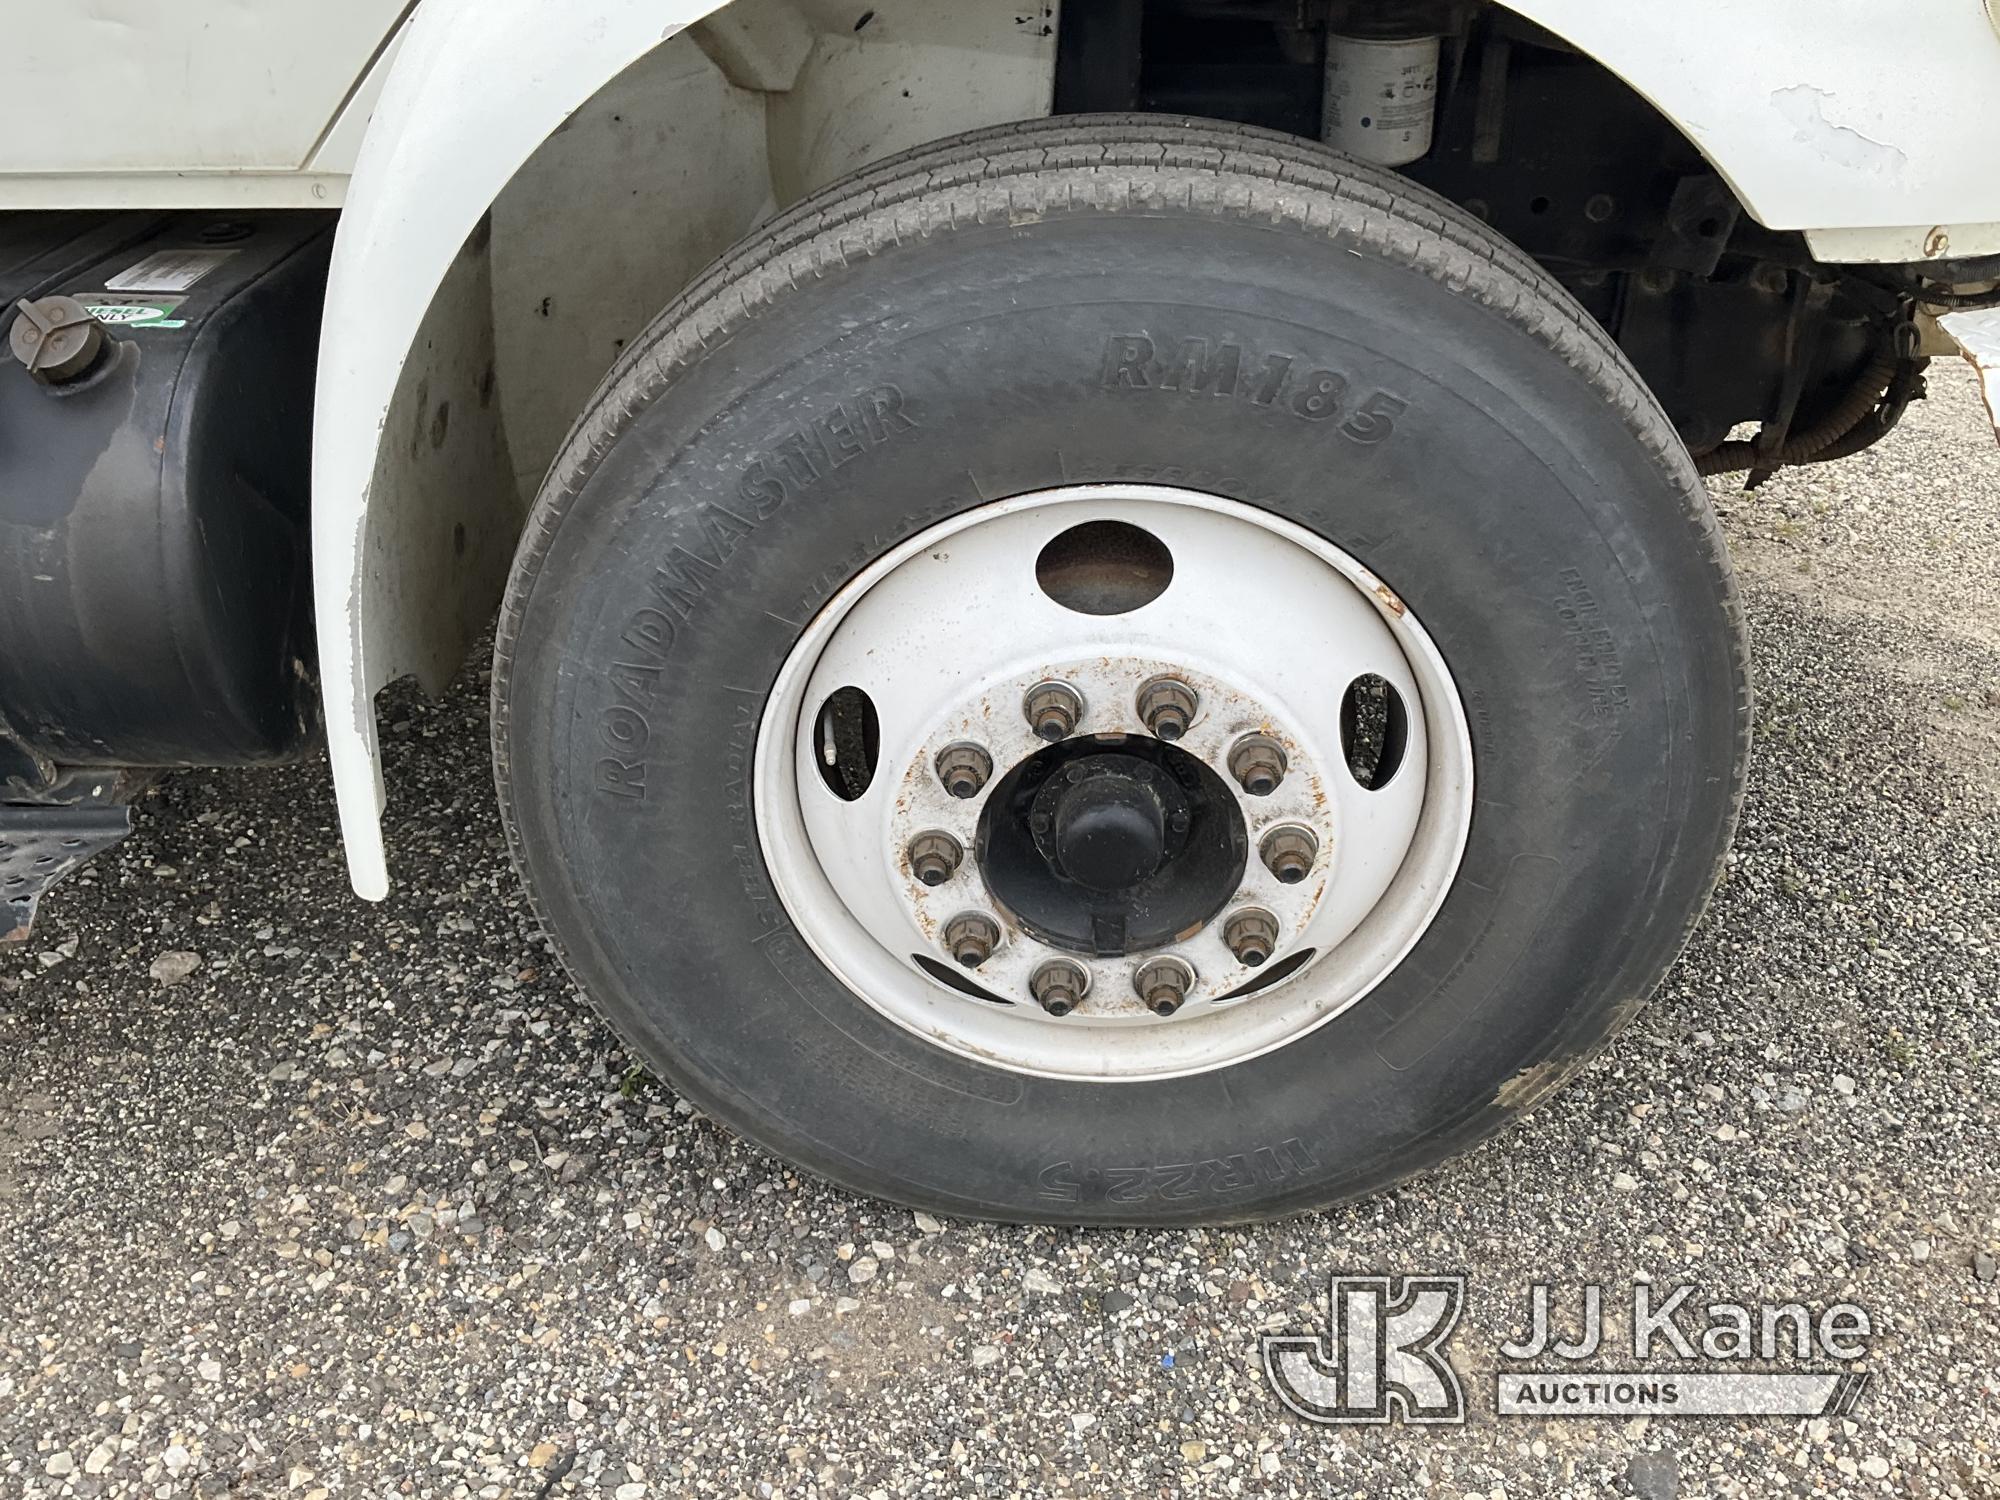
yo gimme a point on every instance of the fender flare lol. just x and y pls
(1873, 140)
(477, 85)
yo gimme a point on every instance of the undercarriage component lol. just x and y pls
(1381, 91)
(1727, 321)
(40, 845)
(1821, 441)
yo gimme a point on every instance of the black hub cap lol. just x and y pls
(1110, 846)
(1109, 827)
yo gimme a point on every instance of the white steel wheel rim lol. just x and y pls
(1270, 624)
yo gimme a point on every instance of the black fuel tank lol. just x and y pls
(154, 599)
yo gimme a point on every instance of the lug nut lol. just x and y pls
(935, 857)
(1258, 763)
(1059, 985)
(1166, 707)
(964, 769)
(1252, 935)
(1163, 983)
(1053, 710)
(1289, 852)
(971, 938)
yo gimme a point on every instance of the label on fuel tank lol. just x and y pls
(167, 271)
(134, 312)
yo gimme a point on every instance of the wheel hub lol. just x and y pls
(1109, 829)
(1109, 846)
(1112, 832)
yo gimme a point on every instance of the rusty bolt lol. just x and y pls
(1258, 763)
(1163, 983)
(1053, 710)
(971, 938)
(1289, 852)
(964, 769)
(1166, 707)
(1058, 986)
(935, 857)
(1252, 935)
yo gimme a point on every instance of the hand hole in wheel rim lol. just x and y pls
(1374, 731)
(1276, 973)
(945, 974)
(1104, 568)
(848, 736)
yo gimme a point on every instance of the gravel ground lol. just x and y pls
(303, 1196)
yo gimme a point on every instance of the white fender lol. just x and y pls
(1871, 135)
(1871, 129)
(476, 87)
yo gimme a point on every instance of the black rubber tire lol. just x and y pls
(1530, 503)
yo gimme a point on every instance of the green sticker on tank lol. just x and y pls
(135, 312)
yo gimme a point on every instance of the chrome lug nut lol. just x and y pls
(971, 938)
(1054, 709)
(1252, 935)
(1163, 983)
(1289, 852)
(1166, 707)
(1258, 763)
(1059, 985)
(964, 768)
(935, 857)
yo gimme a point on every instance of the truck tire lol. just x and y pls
(1120, 671)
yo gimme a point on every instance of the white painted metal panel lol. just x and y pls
(1822, 114)
(1865, 130)
(125, 86)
